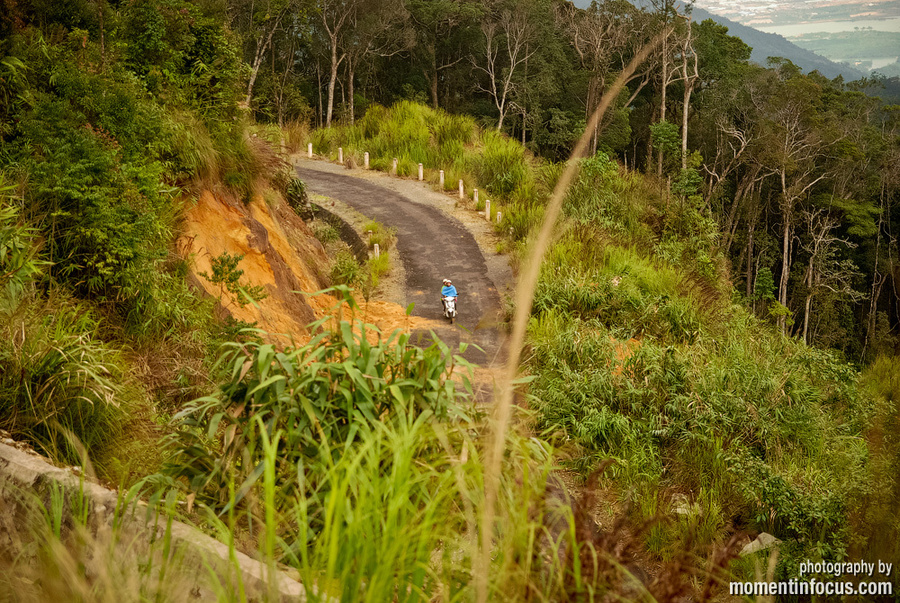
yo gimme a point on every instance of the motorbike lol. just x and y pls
(449, 307)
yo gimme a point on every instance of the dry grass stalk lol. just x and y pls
(524, 298)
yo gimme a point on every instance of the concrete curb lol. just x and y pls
(201, 567)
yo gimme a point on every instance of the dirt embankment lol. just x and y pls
(280, 254)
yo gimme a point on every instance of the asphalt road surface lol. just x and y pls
(432, 246)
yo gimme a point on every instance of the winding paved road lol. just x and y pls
(432, 246)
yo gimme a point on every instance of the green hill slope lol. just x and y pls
(639, 353)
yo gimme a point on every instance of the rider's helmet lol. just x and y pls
(447, 282)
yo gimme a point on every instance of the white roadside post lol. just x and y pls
(377, 250)
(499, 217)
(487, 210)
(462, 190)
(421, 172)
(394, 167)
(309, 150)
(341, 155)
(441, 179)
(366, 160)
(475, 196)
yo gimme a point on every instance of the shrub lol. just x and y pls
(296, 134)
(58, 379)
(321, 397)
(501, 167)
(103, 219)
(326, 233)
(345, 270)
(383, 236)
(298, 198)
(227, 275)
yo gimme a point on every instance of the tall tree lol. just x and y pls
(792, 147)
(337, 18)
(597, 34)
(690, 73)
(826, 271)
(666, 12)
(438, 47)
(260, 20)
(377, 30)
(509, 41)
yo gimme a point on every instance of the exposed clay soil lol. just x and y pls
(280, 254)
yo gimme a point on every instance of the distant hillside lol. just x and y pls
(767, 45)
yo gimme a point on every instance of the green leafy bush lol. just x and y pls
(227, 275)
(345, 270)
(326, 233)
(318, 396)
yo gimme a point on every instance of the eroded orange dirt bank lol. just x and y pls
(281, 255)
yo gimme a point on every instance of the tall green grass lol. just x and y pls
(876, 518)
(360, 465)
(59, 378)
(763, 432)
(413, 133)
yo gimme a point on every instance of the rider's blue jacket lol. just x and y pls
(448, 291)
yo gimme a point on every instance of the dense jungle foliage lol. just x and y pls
(718, 314)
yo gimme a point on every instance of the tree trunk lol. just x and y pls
(258, 59)
(688, 89)
(785, 265)
(877, 282)
(332, 80)
(523, 127)
(351, 69)
(730, 227)
(319, 90)
(287, 69)
(684, 124)
(102, 35)
(808, 304)
(750, 271)
(434, 77)
(662, 103)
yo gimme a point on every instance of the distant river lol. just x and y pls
(831, 27)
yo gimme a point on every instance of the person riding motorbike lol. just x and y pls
(448, 290)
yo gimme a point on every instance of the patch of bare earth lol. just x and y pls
(281, 255)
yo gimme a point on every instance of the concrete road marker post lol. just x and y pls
(309, 150)
(366, 160)
(421, 172)
(341, 155)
